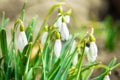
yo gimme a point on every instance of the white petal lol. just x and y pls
(67, 18)
(64, 32)
(106, 78)
(58, 23)
(57, 47)
(86, 50)
(92, 55)
(75, 59)
(73, 46)
(44, 37)
(22, 41)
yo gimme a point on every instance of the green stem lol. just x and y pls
(117, 65)
(80, 64)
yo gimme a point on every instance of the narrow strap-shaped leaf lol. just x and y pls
(4, 21)
(112, 62)
(30, 28)
(4, 46)
(22, 13)
(54, 70)
(28, 59)
(29, 75)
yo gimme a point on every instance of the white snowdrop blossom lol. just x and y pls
(22, 41)
(67, 18)
(64, 32)
(57, 47)
(92, 55)
(106, 77)
(58, 23)
(44, 37)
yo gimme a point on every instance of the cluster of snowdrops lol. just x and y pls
(54, 54)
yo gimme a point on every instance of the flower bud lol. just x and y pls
(106, 77)
(44, 37)
(57, 48)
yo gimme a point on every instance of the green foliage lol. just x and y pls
(111, 35)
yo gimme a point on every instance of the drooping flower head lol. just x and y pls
(44, 36)
(61, 23)
(22, 39)
(64, 30)
(92, 55)
(57, 45)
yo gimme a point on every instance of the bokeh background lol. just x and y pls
(103, 15)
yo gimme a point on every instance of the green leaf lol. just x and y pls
(54, 70)
(111, 35)
(22, 13)
(4, 21)
(1, 60)
(4, 46)
(28, 57)
(112, 62)
(31, 28)
(29, 75)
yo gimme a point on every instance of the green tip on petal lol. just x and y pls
(21, 27)
(63, 19)
(92, 38)
(57, 35)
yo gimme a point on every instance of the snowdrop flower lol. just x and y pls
(92, 55)
(22, 39)
(59, 22)
(64, 32)
(57, 46)
(44, 37)
(106, 77)
(75, 58)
